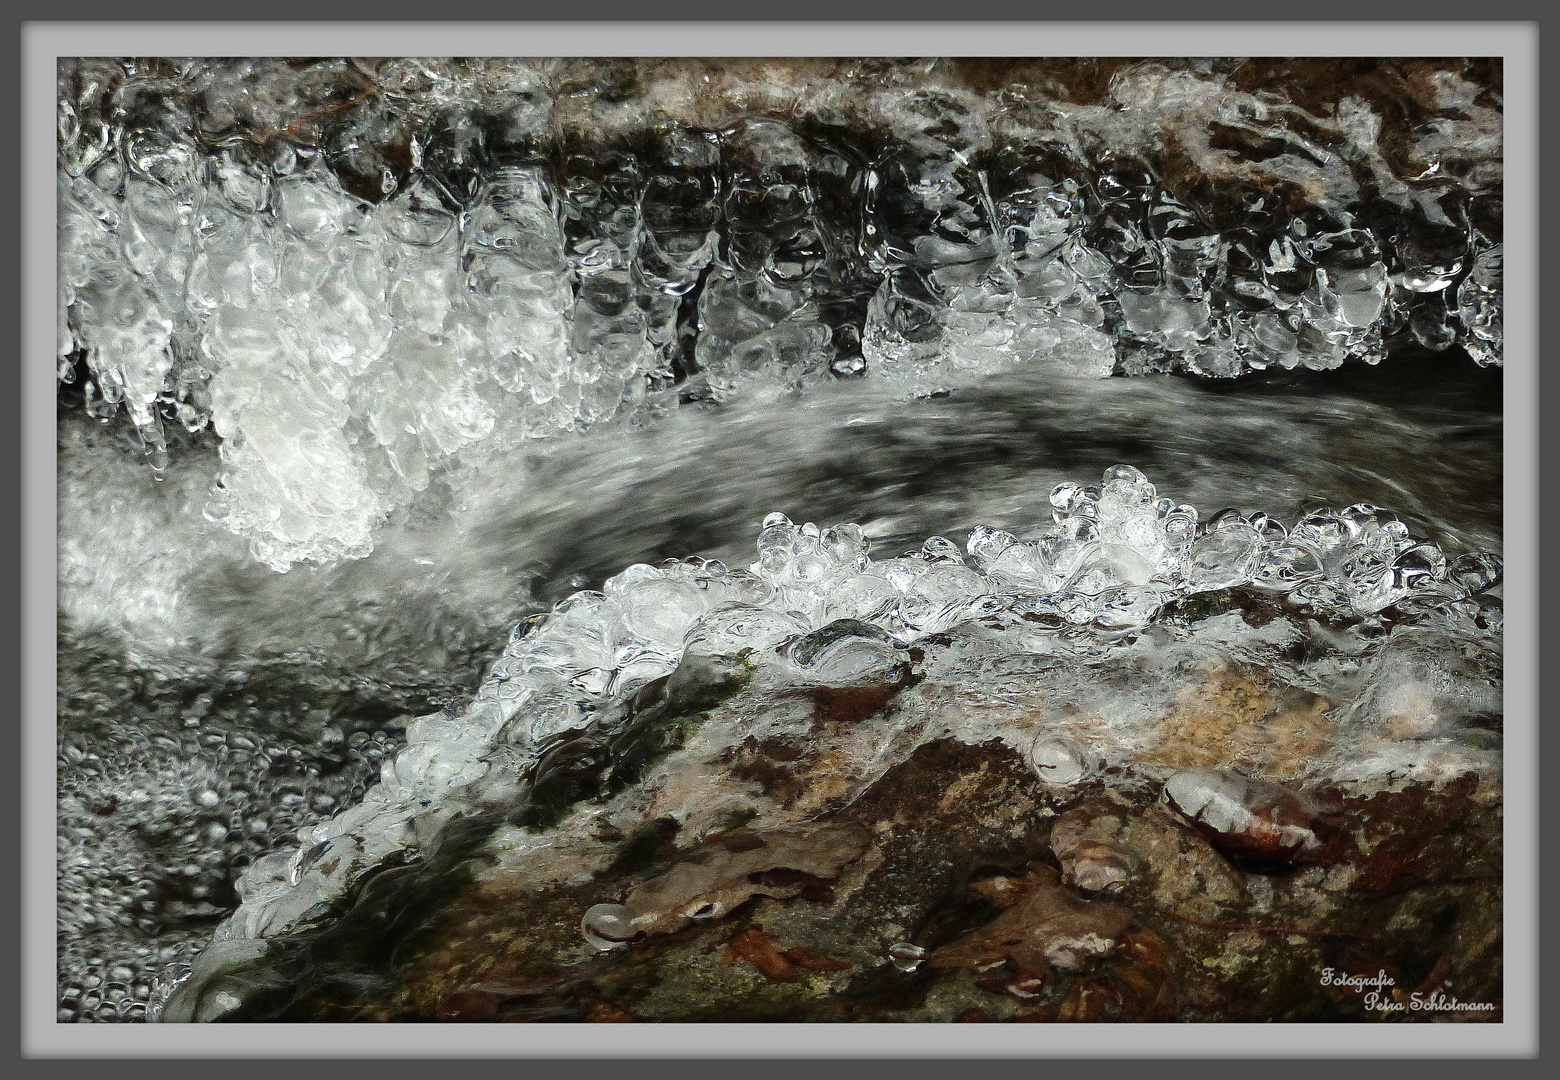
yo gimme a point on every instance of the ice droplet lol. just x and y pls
(847, 651)
(906, 957)
(1057, 761)
(607, 927)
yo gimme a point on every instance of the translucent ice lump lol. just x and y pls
(817, 606)
(362, 273)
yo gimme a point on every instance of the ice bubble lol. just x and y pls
(1069, 500)
(1260, 826)
(866, 597)
(905, 956)
(1057, 761)
(844, 543)
(1369, 579)
(607, 927)
(1287, 566)
(986, 544)
(661, 610)
(1476, 572)
(1223, 557)
(735, 627)
(847, 652)
(1321, 531)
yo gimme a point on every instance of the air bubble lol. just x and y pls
(607, 927)
(1057, 761)
(906, 957)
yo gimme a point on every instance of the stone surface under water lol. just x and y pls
(789, 880)
(1131, 646)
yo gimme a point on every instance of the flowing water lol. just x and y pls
(539, 523)
(401, 437)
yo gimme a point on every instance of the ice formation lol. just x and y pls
(817, 609)
(361, 275)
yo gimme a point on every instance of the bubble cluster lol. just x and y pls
(364, 275)
(169, 789)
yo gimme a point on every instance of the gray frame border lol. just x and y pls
(42, 42)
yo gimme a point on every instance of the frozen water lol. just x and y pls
(364, 298)
(1057, 761)
(606, 926)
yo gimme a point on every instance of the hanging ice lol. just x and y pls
(366, 297)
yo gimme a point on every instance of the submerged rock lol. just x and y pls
(1045, 925)
(1015, 786)
(732, 868)
(1192, 937)
(949, 878)
(1083, 841)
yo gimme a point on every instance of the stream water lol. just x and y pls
(321, 448)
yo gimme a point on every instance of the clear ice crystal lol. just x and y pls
(466, 255)
(846, 652)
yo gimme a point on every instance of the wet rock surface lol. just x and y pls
(386, 659)
(956, 886)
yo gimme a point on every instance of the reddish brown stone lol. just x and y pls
(472, 1005)
(604, 1012)
(1048, 927)
(755, 947)
(1085, 1003)
(1259, 826)
(849, 704)
(811, 960)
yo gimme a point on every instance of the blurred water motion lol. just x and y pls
(539, 521)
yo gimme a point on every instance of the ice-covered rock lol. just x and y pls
(816, 610)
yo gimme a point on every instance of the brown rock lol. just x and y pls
(1047, 927)
(1083, 841)
(736, 866)
(755, 947)
(604, 1012)
(811, 960)
(849, 704)
(1261, 827)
